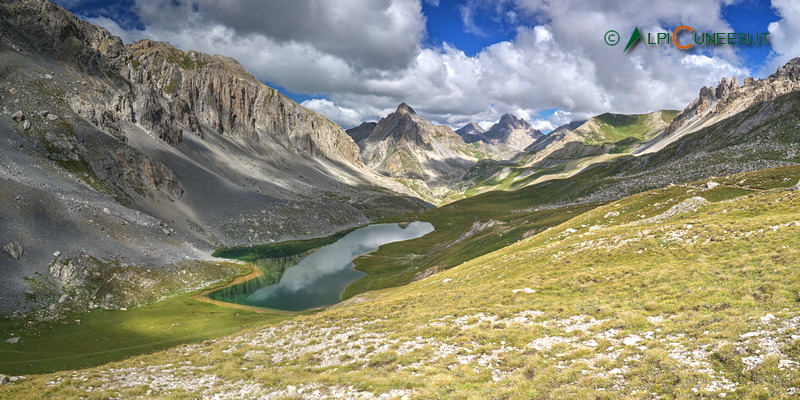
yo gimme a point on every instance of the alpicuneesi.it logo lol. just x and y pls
(684, 37)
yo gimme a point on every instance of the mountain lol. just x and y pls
(622, 129)
(119, 159)
(726, 100)
(510, 133)
(570, 148)
(471, 132)
(362, 131)
(429, 158)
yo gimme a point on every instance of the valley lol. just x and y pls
(174, 228)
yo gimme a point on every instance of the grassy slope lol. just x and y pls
(695, 289)
(103, 336)
(396, 264)
(617, 127)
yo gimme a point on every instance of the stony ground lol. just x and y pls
(657, 296)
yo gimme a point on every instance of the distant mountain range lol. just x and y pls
(510, 133)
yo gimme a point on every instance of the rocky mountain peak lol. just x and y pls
(511, 121)
(404, 108)
(471, 132)
(513, 132)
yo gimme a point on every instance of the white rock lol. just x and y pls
(52, 117)
(524, 290)
(631, 340)
(767, 319)
(711, 184)
(106, 210)
(13, 340)
(56, 254)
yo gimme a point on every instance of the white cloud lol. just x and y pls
(361, 58)
(542, 125)
(784, 34)
(345, 117)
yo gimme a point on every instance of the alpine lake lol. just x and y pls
(307, 274)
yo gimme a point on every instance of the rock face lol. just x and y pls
(362, 131)
(107, 138)
(727, 99)
(405, 145)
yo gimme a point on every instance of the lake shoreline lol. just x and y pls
(254, 273)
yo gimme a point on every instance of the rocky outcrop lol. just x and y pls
(714, 104)
(15, 250)
(129, 168)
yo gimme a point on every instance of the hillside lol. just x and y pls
(694, 296)
(570, 148)
(120, 160)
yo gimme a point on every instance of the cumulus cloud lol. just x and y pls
(345, 117)
(361, 58)
(784, 34)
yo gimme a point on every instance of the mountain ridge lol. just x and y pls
(152, 156)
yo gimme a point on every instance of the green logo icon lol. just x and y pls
(635, 37)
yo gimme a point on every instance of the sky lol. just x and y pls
(457, 62)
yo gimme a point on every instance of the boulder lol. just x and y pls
(13, 340)
(26, 125)
(4, 380)
(52, 117)
(18, 117)
(15, 250)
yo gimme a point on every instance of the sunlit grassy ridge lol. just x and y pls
(658, 295)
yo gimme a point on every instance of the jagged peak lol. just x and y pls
(509, 118)
(472, 127)
(404, 108)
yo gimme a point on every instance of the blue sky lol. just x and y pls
(462, 61)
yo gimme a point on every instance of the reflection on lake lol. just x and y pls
(321, 276)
